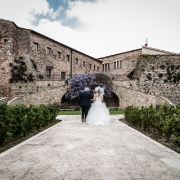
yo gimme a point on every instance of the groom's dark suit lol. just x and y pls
(85, 103)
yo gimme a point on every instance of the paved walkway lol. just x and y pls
(72, 150)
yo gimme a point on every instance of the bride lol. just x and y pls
(98, 113)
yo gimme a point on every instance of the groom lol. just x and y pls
(85, 103)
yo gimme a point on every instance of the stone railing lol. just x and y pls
(12, 101)
(3, 100)
(130, 97)
(168, 101)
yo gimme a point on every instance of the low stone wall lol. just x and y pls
(23, 89)
(49, 96)
(45, 84)
(129, 97)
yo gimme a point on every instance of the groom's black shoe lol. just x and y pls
(82, 119)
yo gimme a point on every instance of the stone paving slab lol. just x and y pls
(71, 150)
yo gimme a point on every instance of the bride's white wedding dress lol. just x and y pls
(98, 113)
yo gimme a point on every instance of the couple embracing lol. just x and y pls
(94, 110)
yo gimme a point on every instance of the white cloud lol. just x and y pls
(110, 26)
(120, 25)
(23, 12)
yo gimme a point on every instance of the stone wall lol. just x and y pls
(128, 97)
(43, 83)
(48, 96)
(159, 75)
(20, 89)
(120, 65)
(130, 84)
(49, 55)
(5, 90)
(8, 45)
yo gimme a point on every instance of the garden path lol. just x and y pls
(72, 150)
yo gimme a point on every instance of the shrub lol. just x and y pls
(164, 120)
(3, 123)
(18, 121)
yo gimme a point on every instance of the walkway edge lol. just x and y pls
(26, 141)
(153, 141)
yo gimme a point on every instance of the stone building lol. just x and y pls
(118, 66)
(31, 61)
(33, 69)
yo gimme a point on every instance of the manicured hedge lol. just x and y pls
(161, 120)
(18, 121)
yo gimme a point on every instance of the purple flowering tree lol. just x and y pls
(79, 82)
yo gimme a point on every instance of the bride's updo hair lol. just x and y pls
(99, 90)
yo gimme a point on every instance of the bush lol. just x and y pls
(3, 123)
(163, 120)
(18, 121)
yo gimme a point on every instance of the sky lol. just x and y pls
(100, 27)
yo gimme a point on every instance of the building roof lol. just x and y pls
(120, 53)
(143, 47)
(35, 32)
(160, 50)
(97, 59)
(62, 44)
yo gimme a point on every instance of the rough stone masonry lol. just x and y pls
(33, 65)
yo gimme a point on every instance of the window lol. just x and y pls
(63, 75)
(48, 73)
(114, 65)
(76, 61)
(108, 68)
(90, 66)
(48, 50)
(94, 67)
(5, 40)
(36, 46)
(103, 67)
(68, 57)
(59, 54)
(118, 64)
(98, 68)
(84, 64)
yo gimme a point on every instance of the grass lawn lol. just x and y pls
(78, 112)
